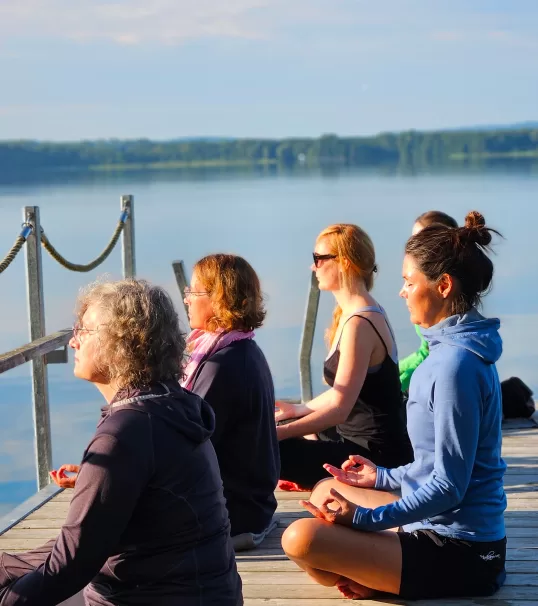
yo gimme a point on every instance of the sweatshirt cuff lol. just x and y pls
(381, 479)
(358, 516)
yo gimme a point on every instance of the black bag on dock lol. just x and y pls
(517, 399)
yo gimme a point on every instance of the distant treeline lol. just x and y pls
(409, 148)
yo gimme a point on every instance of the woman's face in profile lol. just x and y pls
(86, 345)
(327, 270)
(426, 304)
(198, 301)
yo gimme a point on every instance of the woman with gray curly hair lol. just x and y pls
(147, 523)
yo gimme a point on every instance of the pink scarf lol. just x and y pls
(201, 344)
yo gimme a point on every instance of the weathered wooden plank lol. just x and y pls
(269, 578)
(285, 565)
(515, 470)
(516, 502)
(34, 503)
(33, 350)
(514, 542)
(310, 591)
(522, 479)
(490, 601)
(298, 577)
(307, 339)
(276, 553)
(55, 518)
(128, 256)
(42, 534)
(182, 282)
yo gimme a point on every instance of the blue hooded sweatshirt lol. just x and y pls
(455, 484)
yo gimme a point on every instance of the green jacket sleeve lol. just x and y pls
(409, 364)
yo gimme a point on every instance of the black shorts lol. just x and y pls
(434, 566)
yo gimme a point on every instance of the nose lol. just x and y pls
(73, 343)
(403, 293)
(313, 267)
(186, 300)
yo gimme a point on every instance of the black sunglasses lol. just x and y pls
(318, 258)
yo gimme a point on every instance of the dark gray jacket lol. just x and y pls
(237, 383)
(147, 523)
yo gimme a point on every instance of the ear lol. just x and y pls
(445, 285)
(344, 263)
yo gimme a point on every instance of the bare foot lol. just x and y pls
(353, 590)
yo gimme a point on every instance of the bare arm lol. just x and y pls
(333, 406)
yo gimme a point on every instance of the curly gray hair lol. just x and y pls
(141, 341)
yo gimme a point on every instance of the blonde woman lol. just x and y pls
(147, 523)
(362, 412)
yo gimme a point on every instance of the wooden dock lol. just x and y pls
(270, 579)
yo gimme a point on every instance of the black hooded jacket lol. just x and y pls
(147, 523)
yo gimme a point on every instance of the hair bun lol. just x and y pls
(474, 220)
(475, 226)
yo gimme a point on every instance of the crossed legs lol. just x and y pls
(358, 563)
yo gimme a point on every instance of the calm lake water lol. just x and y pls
(272, 219)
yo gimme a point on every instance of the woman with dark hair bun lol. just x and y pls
(448, 536)
(410, 363)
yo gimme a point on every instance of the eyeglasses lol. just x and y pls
(79, 331)
(319, 258)
(193, 293)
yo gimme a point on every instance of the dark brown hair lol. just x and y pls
(459, 252)
(140, 341)
(436, 216)
(235, 292)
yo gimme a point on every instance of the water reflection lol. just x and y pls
(271, 217)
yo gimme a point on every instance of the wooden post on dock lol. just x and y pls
(181, 279)
(36, 311)
(307, 339)
(128, 238)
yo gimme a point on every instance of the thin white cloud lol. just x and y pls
(344, 24)
(484, 36)
(132, 22)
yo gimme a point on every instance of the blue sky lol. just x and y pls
(73, 69)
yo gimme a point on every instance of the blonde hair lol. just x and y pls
(352, 243)
(140, 340)
(235, 292)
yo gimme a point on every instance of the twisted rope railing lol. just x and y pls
(15, 249)
(27, 229)
(96, 262)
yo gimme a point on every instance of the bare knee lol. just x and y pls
(321, 491)
(299, 538)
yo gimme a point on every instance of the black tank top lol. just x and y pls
(377, 420)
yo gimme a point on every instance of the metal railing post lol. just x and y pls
(128, 239)
(36, 311)
(181, 279)
(307, 339)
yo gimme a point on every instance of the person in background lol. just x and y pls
(147, 523)
(362, 411)
(449, 535)
(229, 370)
(409, 364)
